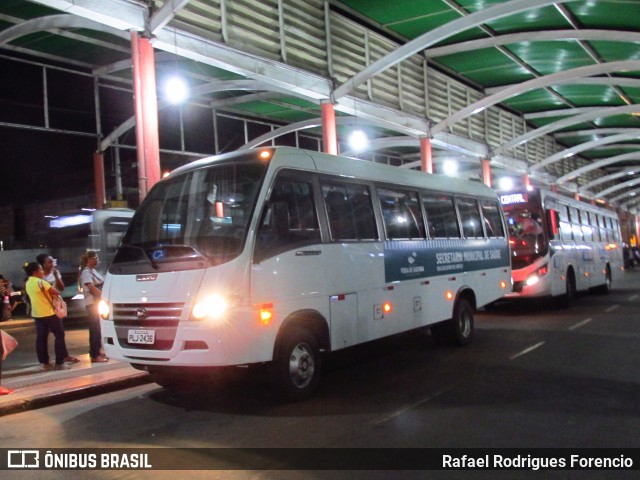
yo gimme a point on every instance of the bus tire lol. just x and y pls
(605, 288)
(564, 301)
(296, 370)
(458, 330)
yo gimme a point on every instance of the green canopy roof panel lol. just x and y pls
(614, 51)
(601, 153)
(577, 127)
(199, 69)
(590, 95)
(22, 9)
(619, 121)
(613, 14)
(51, 44)
(300, 103)
(411, 18)
(535, 101)
(273, 111)
(547, 18)
(487, 67)
(551, 57)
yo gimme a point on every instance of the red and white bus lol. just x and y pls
(560, 246)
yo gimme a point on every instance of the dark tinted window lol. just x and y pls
(441, 216)
(492, 219)
(470, 217)
(350, 211)
(401, 213)
(289, 218)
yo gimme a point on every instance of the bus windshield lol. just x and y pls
(527, 237)
(203, 214)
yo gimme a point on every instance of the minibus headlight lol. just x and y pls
(103, 308)
(211, 307)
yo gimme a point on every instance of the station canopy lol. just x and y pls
(547, 89)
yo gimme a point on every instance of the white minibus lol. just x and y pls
(280, 255)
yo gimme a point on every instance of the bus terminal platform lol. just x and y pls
(35, 388)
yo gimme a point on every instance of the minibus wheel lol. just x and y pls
(458, 330)
(298, 364)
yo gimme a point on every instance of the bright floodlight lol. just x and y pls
(450, 167)
(175, 90)
(358, 141)
(506, 183)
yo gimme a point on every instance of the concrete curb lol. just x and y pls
(74, 393)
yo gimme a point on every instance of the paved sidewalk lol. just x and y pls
(36, 389)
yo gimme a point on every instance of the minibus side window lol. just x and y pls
(441, 216)
(350, 211)
(401, 213)
(492, 219)
(288, 219)
(470, 217)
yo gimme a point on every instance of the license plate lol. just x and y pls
(142, 337)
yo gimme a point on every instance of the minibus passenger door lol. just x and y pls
(287, 268)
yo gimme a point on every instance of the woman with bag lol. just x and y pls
(40, 293)
(91, 282)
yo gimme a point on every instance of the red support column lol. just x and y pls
(98, 179)
(526, 181)
(426, 155)
(329, 135)
(146, 112)
(485, 168)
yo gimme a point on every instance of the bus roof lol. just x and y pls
(352, 168)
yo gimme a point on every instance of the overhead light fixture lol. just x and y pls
(450, 168)
(176, 90)
(358, 141)
(505, 184)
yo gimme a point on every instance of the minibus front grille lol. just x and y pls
(161, 318)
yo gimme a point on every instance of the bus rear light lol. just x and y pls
(387, 307)
(448, 295)
(503, 284)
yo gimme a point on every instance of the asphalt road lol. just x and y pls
(534, 377)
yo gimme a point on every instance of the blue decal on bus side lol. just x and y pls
(411, 259)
